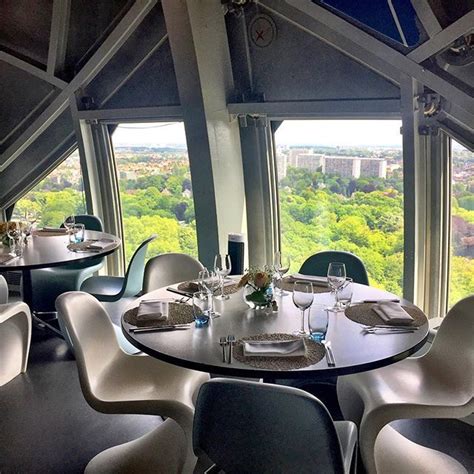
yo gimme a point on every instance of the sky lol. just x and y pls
(345, 133)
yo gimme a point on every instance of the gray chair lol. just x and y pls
(49, 283)
(245, 426)
(110, 288)
(3, 290)
(318, 263)
(169, 268)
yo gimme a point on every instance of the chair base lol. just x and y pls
(163, 450)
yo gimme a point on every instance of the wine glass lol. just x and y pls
(281, 266)
(31, 218)
(222, 266)
(69, 222)
(336, 280)
(302, 299)
(15, 234)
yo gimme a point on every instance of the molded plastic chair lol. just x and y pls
(3, 290)
(439, 384)
(396, 454)
(115, 382)
(247, 427)
(318, 263)
(110, 288)
(15, 338)
(169, 268)
(49, 283)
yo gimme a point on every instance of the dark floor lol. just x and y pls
(47, 427)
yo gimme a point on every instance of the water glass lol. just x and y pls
(209, 282)
(318, 323)
(76, 234)
(201, 308)
(222, 266)
(336, 279)
(302, 299)
(17, 245)
(345, 293)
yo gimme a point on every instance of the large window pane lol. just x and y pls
(58, 195)
(462, 212)
(155, 187)
(341, 188)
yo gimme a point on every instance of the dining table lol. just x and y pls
(354, 349)
(49, 248)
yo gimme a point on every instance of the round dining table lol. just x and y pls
(198, 348)
(46, 249)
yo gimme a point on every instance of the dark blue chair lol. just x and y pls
(318, 263)
(49, 283)
(111, 288)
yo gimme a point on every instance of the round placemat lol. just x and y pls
(314, 353)
(178, 313)
(363, 314)
(288, 285)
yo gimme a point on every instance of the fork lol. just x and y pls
(329, 355)
(388, 330)
(230, 341)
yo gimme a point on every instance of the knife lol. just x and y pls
(179, 292)
(161, 328)
(394, 300)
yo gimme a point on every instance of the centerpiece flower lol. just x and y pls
(4, 227)
(257, 284)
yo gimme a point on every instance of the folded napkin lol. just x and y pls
(92, 245)
(49, 231)
(152, 310)
(392, 313)
(60, 230)
(274, 348)
(315, 280)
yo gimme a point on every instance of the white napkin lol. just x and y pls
(5, 258)
(60, 230)
(315, 280)
(392, 313)
(275, 348)
(101, 244)
(152, 310)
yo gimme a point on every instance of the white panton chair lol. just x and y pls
(3, 290)
(15, 338)
(115, 382)
(439, 384)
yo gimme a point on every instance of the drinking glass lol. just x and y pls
(201, 304)
(302, 299)
(318, 323)
(345, 293)
(281, 266)
(31, 217)
(222, 266)
(68, 223)
(336, 279)
(77, 233)
(209, 281)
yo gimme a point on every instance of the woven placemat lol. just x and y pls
(363, 314)
(178, 313)
(288, 284)
(192, 287)
(49, 233)
(314, 353)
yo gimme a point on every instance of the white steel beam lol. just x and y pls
(461, 27)
(146, 114)
(365, 43)
(427, 17)
(106, 51)
(58, 36)
(33, 70)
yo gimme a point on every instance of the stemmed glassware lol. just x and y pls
(15, 234)
(336, 280)
(281, 266)
(209, 281)
(302, 299)
(31, 217)
(222, 266)
(68, 223)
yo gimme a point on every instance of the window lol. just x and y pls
(58, 195)
(462, 224)
(155, 187)
(341, 188)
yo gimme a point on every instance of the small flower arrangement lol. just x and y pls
(258, 285)
(4, 227)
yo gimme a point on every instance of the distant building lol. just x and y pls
(355, 167)
(373, 168)
(309, 161)
(131, 175)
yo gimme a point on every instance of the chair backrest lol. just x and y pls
(169, 268)
(318, 263)
(253, 427)
(133, 282)
(3, 290)
(92, 335)
(90, 222)
(452, 351)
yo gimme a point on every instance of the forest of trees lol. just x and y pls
(318, 211)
